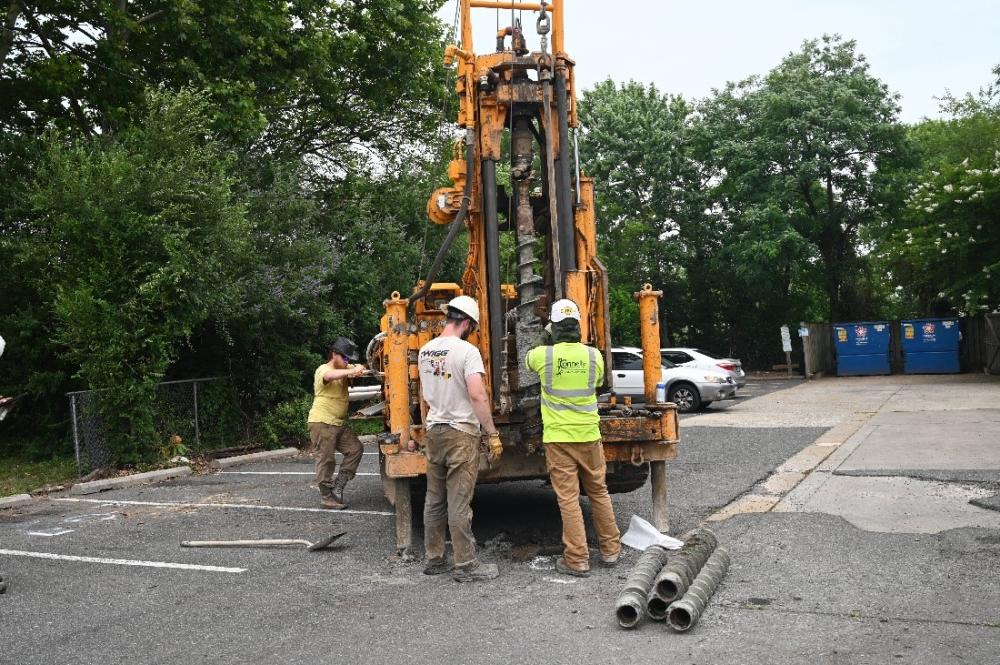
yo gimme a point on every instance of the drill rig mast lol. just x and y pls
(529, 96)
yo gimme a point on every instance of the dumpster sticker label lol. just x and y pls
(861, 335)
(879, 327)
(908, 331)
(841, 334)
(929, 330)
(948, 324)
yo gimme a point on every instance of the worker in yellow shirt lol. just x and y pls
(327, 430)
(570, 372)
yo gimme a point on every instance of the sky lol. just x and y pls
(919, 48)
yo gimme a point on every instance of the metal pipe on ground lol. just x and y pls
(684, 613)
(679, 572)
(630, 606)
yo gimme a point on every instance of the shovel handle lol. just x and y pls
(285, 542)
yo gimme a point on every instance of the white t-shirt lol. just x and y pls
(444, 364)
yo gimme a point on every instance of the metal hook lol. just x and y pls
(544, 22)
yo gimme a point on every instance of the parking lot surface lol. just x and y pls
(102, 579)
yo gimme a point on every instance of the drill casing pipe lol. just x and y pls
(679, 573)
(631, 603)
(684, 613)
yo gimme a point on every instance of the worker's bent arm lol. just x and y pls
(349, 372)
(480, 402)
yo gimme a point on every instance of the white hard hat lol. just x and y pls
(466, 306)
(564, 309)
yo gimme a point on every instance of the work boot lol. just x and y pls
(564, 568)
(437, 566)
(610, 561)
(338, 489)
(476, 572)
(329, 500)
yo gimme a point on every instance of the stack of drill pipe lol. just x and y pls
(631, 604)
(679, 572)
(684, 613)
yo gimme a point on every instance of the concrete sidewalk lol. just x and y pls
(932, 447)
(877, 554)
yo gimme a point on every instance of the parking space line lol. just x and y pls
(280, 473)
(123, 562)
(186, 504)
(49, 533)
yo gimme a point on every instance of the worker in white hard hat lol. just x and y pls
(452, 381)
(570, 372)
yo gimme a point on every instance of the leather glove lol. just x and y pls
(495, 448)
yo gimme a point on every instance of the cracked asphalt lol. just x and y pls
(803, 587)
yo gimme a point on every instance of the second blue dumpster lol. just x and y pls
(930, 346)
(862, 348)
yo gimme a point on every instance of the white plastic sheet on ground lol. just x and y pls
(641, 534)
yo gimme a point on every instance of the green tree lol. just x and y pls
(634, 144)
(333, 81)
(129, 246)
(799, 158)
(943, 253)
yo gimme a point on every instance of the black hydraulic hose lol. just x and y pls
(567, 232)
(456, 226)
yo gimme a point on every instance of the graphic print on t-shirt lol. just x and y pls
(436, 362)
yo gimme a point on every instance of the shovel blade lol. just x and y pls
(327, 541)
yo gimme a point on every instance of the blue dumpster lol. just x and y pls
(862, 348)
(930, 346)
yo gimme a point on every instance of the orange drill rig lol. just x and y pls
(529, 97)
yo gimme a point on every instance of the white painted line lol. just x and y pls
(122, 562)
(281, 473)
(48, 533)
(250, 506)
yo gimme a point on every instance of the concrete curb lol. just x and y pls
(14, 501)
(226, 462)
(801, 473)
(130, 481)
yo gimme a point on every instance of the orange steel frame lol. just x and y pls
(627, 439)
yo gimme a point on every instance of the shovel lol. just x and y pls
(272, 542)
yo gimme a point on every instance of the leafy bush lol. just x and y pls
(132, 243)
(285, 423)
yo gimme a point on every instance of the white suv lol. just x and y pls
(689, 388)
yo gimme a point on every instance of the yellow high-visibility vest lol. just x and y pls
(570, 373)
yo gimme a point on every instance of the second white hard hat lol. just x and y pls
(466, 306)
(564, 309)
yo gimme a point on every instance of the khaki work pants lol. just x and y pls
(452, 469)
(327, 440)
(570, 465)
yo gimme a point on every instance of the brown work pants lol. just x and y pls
(327, 440)
(452, 468)
(570, 465)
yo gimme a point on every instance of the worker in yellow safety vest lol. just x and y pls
(570, 372)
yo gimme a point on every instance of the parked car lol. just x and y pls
(687, 387)
(702, 359)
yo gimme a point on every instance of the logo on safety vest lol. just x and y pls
(570, 366)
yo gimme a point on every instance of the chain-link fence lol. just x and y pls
(191, 416)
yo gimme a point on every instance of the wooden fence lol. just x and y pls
(981, 343)
(979, 350)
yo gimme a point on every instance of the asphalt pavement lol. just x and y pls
(804, 586)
